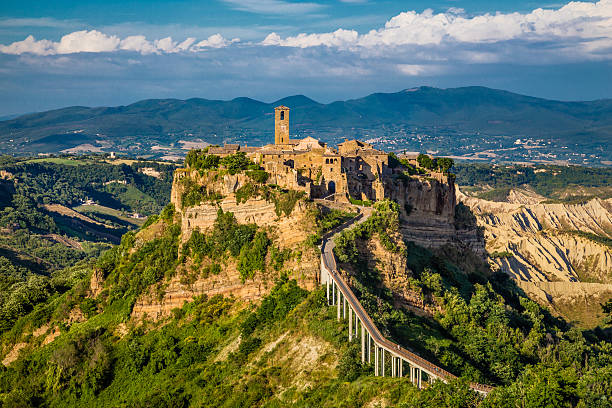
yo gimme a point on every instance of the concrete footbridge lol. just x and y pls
(374, 346)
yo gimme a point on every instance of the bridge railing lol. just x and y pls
(328, 265)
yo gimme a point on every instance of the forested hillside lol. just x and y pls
(84, 347)
(47, 235)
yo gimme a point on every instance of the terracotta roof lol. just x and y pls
(281, 107)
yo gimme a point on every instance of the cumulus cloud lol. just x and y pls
(576, 31)
(95, 42)
(587, 25)
(339, 38)
(214, 41)
(86, 41)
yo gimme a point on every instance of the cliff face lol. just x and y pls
(537, 244)
(286, 232)
(427, 206)
(227, 283)
(539, 240)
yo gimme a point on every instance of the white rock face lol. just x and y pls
(540, 239)
(542, 252)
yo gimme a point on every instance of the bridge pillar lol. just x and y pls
(344, 307)
(363, 344)
(369, 349)
(338, 314)
(375, 360)
(350, 323)
(419, 373)
(411, 368)
(392, 366)
(383, 361)
(327, 289)
(401, 368)
(333, 292)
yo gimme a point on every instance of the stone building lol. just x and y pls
(354, 170)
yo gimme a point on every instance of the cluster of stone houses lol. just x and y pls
(354, 169)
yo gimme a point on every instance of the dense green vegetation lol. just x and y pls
(241, 241)
(442, 164)
(287, 351)
(175, 363)
(195, 194)
(42, 248)
(549, 181)
(199, 159)
(488, 332)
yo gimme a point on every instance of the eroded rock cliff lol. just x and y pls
(286, 231)
(550, 249)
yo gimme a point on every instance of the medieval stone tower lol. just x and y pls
(281, 125)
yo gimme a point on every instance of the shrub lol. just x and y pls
(258, 176)
(237, 162)
(198, 159)
(253, 257)
(168, 212)
(89, 307)
(284, 202)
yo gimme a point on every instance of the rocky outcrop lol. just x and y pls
(576, 301)
(160, 301)
(394, 275)
(538, 242)
(287, 230)
(544, 248)
(427, 210)
(431, 198)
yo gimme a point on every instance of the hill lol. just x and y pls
(58, 214)
(241, 323)
(458, 121)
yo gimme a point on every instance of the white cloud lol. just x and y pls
(214, 41)
(87, 41)
(29, 45)
(587, 25)
(339, 38)
(273, 6)
(577, 31)
(138, 43)
(95, 42)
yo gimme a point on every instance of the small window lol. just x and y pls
(282, 115)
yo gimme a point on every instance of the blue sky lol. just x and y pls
(54, 54)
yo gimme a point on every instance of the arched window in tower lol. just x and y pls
(282, 115)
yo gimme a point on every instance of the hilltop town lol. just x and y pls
(354, 171)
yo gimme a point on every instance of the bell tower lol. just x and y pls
(281, 125)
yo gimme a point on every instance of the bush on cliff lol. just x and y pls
(194, 194)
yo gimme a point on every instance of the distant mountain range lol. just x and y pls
(447, 113)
